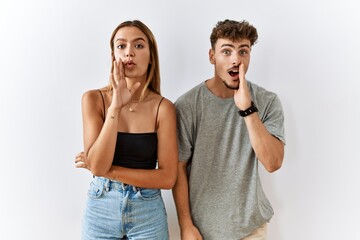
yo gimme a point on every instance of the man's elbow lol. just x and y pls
(274, 165)
(275, 160)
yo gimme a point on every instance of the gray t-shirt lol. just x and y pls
(226, 197)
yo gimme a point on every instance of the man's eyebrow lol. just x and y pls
(232, 46)
(227, 45)
(244, 45)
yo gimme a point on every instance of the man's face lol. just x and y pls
(227, 57)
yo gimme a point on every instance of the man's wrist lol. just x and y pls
(250, 110)
(184, 223)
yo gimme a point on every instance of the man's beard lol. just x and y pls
(230, 87)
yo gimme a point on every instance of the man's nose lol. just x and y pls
(236, 59)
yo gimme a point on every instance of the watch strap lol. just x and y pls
(250, 110)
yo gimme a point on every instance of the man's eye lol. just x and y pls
(243, 52)
(227, 52)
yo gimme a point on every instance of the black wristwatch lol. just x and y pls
(248, 111)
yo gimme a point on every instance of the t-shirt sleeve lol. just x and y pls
(273, 119)
(185, 130)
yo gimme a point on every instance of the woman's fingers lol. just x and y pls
(119, 71)
(115, 75)
(134, 88)
(113, 82)
(80, 159)
(80, 165)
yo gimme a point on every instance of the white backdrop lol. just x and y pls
(52, 51)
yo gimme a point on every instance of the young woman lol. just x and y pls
(130, 142)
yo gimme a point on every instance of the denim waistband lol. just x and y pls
(115, 185)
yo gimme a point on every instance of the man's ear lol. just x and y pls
(211, 56)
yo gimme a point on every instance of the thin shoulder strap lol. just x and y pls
(157, 113)
(103, 101)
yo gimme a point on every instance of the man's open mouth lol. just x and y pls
(234, 73)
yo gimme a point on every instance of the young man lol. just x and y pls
(226, 126)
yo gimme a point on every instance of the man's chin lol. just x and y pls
(231, 86)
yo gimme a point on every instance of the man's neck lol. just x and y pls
(218, 88)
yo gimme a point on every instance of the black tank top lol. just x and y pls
(136, 150)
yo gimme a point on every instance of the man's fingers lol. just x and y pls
(241, 72)
(243, 82)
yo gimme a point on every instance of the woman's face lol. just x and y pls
(131, 46)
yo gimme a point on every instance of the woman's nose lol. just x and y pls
(129, 53)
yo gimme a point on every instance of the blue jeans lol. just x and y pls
(118, 211)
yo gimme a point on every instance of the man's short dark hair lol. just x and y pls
(234, 31)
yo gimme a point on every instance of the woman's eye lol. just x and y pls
(139, 46)
(121, 46)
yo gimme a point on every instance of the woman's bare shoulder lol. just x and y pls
(166, 106)
(94, 95)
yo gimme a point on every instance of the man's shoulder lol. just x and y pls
(188, 97)
(257, 88)
(261, 92)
